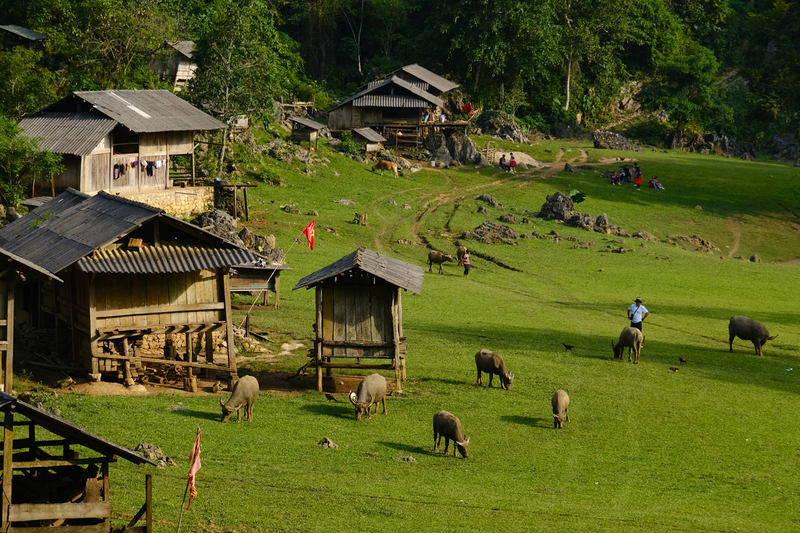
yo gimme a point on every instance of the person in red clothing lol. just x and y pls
(466, 262)
(637, 180)
(512, 164)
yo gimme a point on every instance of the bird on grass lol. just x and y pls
(674, 368)
(682, 360)
(569, 347)
(331, 397)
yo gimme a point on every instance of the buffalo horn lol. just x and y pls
(772, 338)
(221, 402)
(353, 397)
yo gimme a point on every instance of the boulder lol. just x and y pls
(645, 236)
(402, 163)
(558, 206)
(608, 140)
(755, 258)
(491, 232)
(489, 199)
(500, 124)
(508, 219)
(581, 220)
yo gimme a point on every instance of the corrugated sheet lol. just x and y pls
(73, 225)
(390, 100)
(396, 272)
(307, 122)
(426, 75)
(428, 97)
(184, 47)
(25, 33)
(67, 430)
(416, 83)
(67, 133)
(164, 259)
(150, 111)
(370, 135)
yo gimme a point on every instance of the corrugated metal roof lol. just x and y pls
(24, 32)
(416, 83)
(150, 111)
(68, 430)
(396, 272)
(390, 100)
(167, 258)
(307, 122)
(426, 75)
(67, 133)
(184, 47)
(428, 97)
(370, 135)
(73, 225)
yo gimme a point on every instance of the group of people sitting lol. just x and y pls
(625, 174)
(510, 165)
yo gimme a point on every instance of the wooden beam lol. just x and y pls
(226, 293)
(96, 528)
(55, 463)
(387, 366)
(354, 343)
(8, 457)
(154, 361)
(8, 371)
(136, 311)
(23, 512)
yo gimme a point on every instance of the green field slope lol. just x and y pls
(711, 447)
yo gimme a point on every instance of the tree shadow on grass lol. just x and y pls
(530, 421)
(327, 409)
(188, 413)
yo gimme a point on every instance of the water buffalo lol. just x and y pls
(245, 394)
(560, 403)
(748, 329)
(460, 252)
(436, 257)
(632, 339)
(448, 426)
(371, 390)
(492, 363)
(385, 165)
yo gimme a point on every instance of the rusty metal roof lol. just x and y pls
(370, 135)
(184, 47)
(146, 111)
(73, 225)
(67, 133)
(417, 98)
(307, 122)
(167, 258)
(68, 430)
(396, 272)
(25, 33)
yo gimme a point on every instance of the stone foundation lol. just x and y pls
(177, 201)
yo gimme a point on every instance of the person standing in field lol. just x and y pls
(637, 313)
(466, 262)
(512, 164)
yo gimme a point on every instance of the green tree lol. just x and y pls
(21, 162)
(244, 63)
(25, 86)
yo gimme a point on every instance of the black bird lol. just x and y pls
(682, 360)
(569, 347)
(674, 368)
(331, 397)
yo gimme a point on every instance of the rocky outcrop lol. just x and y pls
(558, 206)
(608, 140)
(502, 125)
(457, 149)
(785, 148)
(224, 226)
(491, 232)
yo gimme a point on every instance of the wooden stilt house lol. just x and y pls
(118, 282)
(359, 320)
(306, 130)
(56, 475)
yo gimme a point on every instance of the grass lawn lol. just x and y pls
(712, 447)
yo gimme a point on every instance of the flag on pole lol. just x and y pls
(309, 233)
(194, 461)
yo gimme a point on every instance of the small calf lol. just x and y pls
(385, 165)
(560, 403)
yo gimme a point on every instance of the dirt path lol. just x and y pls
(737, 237)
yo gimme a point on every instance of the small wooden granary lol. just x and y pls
(112, 275)
(359, 321)
(372, 140)
(56, 475)
(306, 130)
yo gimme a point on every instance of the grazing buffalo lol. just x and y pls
(460, 253)
(385, 165)
(632, 339)
(748, 329)
(492, 363)
(560, 403)
(448, 426)
(245, 394)
(371, 390)
(436, 257)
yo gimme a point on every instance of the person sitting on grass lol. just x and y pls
(655, 184)
(615, 179)
(503, 165)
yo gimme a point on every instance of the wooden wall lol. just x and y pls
(360, 313)
(134, 301)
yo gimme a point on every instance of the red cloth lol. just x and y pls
(194, 461)
(309, 233)
(637, 180)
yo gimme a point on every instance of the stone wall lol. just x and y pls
(177, 201)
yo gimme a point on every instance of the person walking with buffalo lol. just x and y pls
(637, 313)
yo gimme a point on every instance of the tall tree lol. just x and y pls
(243, 62)
(25, 86)
(21, 161)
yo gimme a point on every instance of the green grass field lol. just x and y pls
(713, 447)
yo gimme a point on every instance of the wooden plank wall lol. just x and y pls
(123, 292)
(357, 313)
(96, 172)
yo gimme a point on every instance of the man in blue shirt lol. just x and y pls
(637, 313)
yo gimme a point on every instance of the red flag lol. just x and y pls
(194, 461)
(309, 233)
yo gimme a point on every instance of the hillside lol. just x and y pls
(711, 447)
